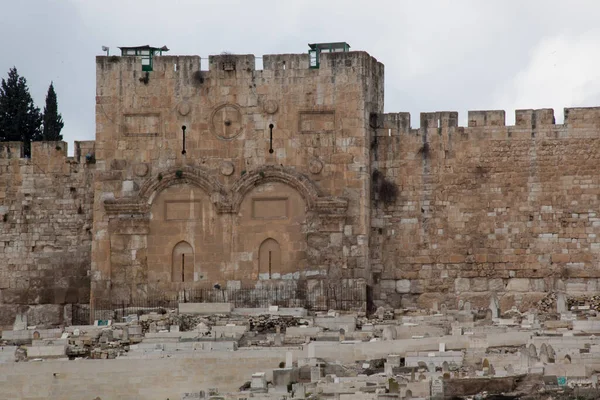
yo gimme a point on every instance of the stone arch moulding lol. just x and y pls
(227, 201)
(163, 179)
(307, 189)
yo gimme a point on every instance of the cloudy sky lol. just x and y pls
(438, 55)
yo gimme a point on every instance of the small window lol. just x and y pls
(314, 61)
(228, 66)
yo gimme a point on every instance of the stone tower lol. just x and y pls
(271, 188)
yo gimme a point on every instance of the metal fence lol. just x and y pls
(317, 297)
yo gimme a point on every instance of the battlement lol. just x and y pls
(241, 62)
(576, 119)
(49, 151)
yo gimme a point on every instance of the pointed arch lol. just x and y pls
(288, 176)
(177, 175)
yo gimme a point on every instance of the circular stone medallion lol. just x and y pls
(270, 106)
(184, 108)
(140, 169)
(226, 121)
(315, 166)
(227, 168)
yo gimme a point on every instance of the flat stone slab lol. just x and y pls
(205, 308)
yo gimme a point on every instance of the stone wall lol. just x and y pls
(45, 229)
(483, 209)
(271, 185)
(147, 378)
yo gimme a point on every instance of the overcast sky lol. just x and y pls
(438, 55)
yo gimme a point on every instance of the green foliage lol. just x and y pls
(262, 174)
(179, 173)
(53, 122)
(20, 119)
(160, 176)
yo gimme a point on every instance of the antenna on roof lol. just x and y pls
(106, 49)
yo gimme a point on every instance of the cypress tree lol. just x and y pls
(53, 122)
(20, 119)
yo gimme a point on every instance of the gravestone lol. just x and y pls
(258, 383)
(489, 315)
(412, 375)
(445, 366)
(315, 374)
(561, 303)
(388, 369)
(289, 359)
(20, 323)
(152, 327)
(486, 367)
(393, 386)
(456, 329)
(544, 353)
(510, 370)
(467, 306)
(431, 367)
(299, 390)
(524, 358)
(394, 360)
(389, 333)
(460, 304)
(36, 335)
(551, 354)
(444, 308)
(437, 389)
(532, 351)
(277, 340)
(494, 306)
(342, 334)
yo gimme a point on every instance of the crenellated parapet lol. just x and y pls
(578, 122)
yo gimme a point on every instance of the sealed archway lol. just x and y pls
(182, 269)
(269, 259)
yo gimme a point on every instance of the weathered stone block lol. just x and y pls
(518, 285)
(403, 286)
(462, 284)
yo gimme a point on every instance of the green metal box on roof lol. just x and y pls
(145, 52)
(317, 48)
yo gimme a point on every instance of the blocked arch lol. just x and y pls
(178, 175)
(290, 177)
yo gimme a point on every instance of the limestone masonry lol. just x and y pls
(292, 177)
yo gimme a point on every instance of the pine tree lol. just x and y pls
(53, 122)
(20, 119)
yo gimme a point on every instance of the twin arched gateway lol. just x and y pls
(198, 233)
